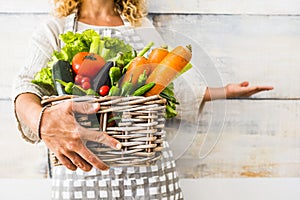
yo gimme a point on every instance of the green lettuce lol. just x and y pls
(108, 47)
(44, 79)
(81, 42)
(73, 44)
(169, 95)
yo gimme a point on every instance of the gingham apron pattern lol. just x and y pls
(159, 181)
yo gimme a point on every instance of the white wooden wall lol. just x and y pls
(257, 41)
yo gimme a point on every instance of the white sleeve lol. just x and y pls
(190, 93)
(43, 42)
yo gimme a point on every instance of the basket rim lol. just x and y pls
(104, 100)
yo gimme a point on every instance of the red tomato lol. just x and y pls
(86, 85)
(85, 79)
(78, 79)
(77, 61)
(103, 90)
(91, 65)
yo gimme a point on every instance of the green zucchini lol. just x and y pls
(102, 78)
(62, 70)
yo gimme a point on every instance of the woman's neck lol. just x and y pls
(99, 12)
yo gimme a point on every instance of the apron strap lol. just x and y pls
(125, 21)
(71, 23)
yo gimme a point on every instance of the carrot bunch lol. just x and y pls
(161, 67)
(169, 66)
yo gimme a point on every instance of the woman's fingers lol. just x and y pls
(244, 90)
(263, 88)
(256, 89)
(96, 136)
(78, 155)
(66, 162)
(90, 135)
(78, 161)
(65, 136)
(244, 84)
(100, 137)
(91, 158)
(85, 107)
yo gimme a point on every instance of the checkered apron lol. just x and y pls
(159, 181)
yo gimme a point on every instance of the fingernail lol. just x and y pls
(96, 105)
(105, 168)
(119, 146)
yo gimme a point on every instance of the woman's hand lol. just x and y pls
(244, 90)
(64, 136)
(234, 91)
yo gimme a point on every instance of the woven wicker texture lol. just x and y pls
(137, 122)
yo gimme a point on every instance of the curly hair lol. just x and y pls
(133, 10)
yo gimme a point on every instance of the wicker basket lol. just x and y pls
(138, 124)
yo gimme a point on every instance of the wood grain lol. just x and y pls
(263, 7)
(258, 139)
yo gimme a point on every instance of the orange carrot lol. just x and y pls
(168, 68)
(156, 56)
(138, 65)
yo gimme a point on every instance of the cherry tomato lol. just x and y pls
(91, 65)
(78, 79)
(103, 90)
(86, 85)
(85, 79)
(77, 61)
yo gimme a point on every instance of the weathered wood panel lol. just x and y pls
(246, 189)
(30, 6)
(18, 158)
(261, 49)
(258, 139)
(15, 35)
(265, 7)
(226, 7)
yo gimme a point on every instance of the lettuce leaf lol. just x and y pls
(73, 44)
(44, 79)
(108, 47)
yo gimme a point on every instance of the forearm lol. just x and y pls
(28, 108)
(214, 94)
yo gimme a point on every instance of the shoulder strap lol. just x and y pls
(70, 23)
(125, 20)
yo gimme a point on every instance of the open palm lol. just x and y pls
(244, 90)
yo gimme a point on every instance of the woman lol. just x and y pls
(83, 175)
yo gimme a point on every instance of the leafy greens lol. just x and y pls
(82, 42)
